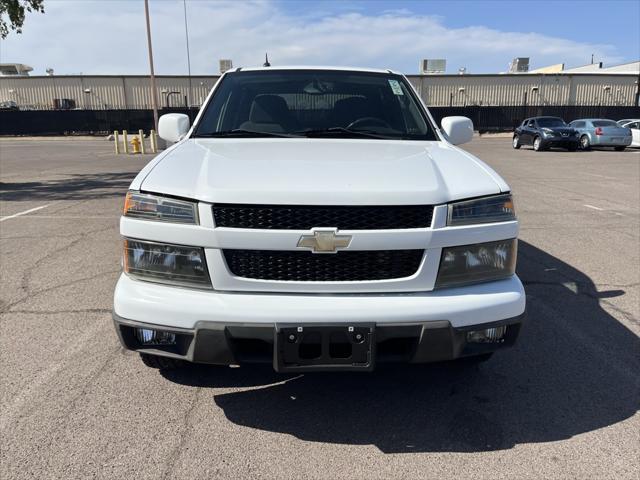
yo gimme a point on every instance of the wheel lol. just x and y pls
(516, 142)
(585, 143)
(161, 363)
(537, 144)
(619, 149)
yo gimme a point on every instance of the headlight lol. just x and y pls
(164, 263)
(498, 208)
(481, 262)
(154, 207)
(548, 132)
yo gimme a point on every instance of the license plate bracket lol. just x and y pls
(324, 347)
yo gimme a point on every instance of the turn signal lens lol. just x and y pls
(154, 207)
(498, 208)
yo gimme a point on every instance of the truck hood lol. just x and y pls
(318, 172)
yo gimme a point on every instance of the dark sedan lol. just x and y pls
(546, 132)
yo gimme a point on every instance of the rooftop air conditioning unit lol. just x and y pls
(519, 65)
(430, 66)
(225, 64)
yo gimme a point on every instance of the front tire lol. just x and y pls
(537, 144)
(619, 149)
(161, 363)
(585, 143)
(516, 142)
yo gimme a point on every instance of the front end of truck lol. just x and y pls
(318, 253)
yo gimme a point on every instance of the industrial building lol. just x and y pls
(72, 104)
(117, 92)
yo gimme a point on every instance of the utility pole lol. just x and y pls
(154, 95)
(186, 34)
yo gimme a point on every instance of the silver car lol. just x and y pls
(600, 132)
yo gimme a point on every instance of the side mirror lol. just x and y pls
(458, 130)
(173, 126)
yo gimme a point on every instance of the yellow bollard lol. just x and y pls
(154, 141)
(141, 135)
(124, 141)
(116, 138)
(135, 144)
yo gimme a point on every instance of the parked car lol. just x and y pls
(601, 132)
(317, 219)
(545, 132)
(9, 105)
(634, 125)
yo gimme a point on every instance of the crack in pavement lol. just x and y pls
(170, 463)
(29, 271)
(6, 308)
(19, 403)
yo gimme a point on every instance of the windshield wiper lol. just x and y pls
(240, 132)
(340, 131)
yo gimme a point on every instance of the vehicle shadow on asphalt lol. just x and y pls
(574, 370)
(71, 187)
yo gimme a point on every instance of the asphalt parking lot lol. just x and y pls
(562, 404)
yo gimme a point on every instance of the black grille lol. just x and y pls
(293, 217)
(318, 267)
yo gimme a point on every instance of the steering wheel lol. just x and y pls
(368, 121)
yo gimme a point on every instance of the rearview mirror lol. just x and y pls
(457, 130)
(173, 126)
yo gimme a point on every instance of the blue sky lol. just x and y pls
(616, 22)
(108, 37)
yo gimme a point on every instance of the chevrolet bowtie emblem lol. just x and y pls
(324, 241)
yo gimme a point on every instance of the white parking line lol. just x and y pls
(2, 219)
(595, 208)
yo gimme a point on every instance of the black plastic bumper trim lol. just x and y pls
(222, 343)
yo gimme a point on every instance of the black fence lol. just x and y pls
(75, 122)
(505, 119)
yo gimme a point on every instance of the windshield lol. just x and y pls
(314, 103)
(551, 122)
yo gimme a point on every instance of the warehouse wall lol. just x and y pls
(133, 92)
(540, 89)
(106, 92)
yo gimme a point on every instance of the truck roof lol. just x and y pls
(315, 67)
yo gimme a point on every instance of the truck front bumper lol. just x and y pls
(231, 328)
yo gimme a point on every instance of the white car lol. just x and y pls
(317, 219)
(632, 124)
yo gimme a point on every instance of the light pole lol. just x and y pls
(186, 34)
(154, 96)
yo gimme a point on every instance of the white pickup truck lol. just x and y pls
(317, 219)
